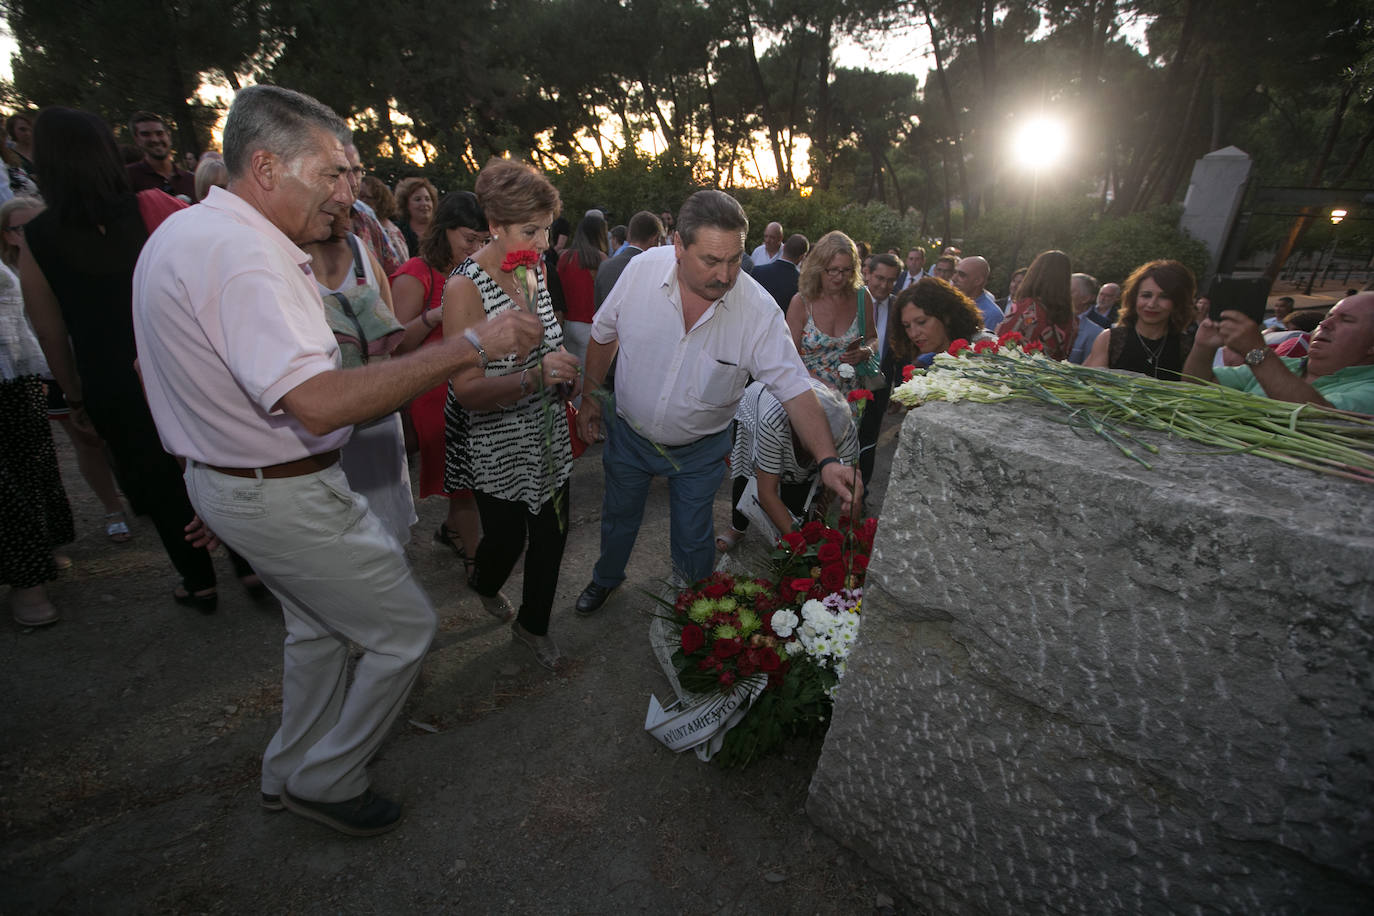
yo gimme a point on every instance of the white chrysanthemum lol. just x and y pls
(795, 647)
(783, 623)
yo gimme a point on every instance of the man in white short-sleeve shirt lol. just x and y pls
(689, 331)
(242, 377)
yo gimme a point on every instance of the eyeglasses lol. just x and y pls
(839, 271)
(15, 229)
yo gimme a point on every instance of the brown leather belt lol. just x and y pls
(298, 468)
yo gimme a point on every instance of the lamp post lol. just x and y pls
(1337, 215)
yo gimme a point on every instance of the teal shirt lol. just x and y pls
(1351, 388)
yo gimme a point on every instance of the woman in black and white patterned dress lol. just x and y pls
(507, 432)
(34, 515)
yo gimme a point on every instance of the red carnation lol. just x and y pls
(801, 586)
(716, 590)
(985, 346)
(727, 678)
(957, 346)
(1009, 337)
(832, 577)
(768, 659)
(692, 638)
(709, 663)
(514, 259)
(908, 373)
(727, 648)
(1034, 346)
(828, 552)
(746, 665)
(795, 540)
(859, 394)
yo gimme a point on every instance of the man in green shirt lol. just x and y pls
(1338, 371)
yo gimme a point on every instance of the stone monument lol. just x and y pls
(1083, 686)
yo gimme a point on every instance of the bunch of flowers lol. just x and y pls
(1107, 402)
(792, 628)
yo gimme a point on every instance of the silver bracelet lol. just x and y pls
(471, 337)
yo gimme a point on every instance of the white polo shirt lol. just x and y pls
(228, 320)
(678, 385)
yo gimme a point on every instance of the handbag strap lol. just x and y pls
(863, 334)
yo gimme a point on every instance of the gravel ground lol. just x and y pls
(133, 732)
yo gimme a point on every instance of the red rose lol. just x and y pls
(957, 346)
(785, 594)
(985, 346)
(832, 577)
(746, 665)
(727, 648)
(908, 373)
(859, 394)
(869, 526)
(716, 590)
(514, 259)
(833, 536)
(1009, 337)
(768, 659)
(709, 663)
(727, 678)
(812, 531)
(795, 541)
(859, 562)
(828, 552)
(801, 586)
(692, 638)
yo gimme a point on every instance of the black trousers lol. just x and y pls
(506, 528)
(869, 427)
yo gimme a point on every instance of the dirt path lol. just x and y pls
(133, 731)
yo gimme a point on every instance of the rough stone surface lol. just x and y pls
(1086, 687)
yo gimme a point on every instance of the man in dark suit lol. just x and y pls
(645, 231)
(779, 276)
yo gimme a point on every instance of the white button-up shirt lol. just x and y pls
(677, 385)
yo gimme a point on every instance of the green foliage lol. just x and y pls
(1107, 247)
(878, 225)
(797, 707)
(1110, 249)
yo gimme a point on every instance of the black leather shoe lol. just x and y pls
(366, 815)
(591, 599)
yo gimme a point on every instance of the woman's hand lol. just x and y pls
(857, 352)
(562, 368)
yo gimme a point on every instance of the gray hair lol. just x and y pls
(1088, 281)
(836, 408)
(281, 121)
(710, 210)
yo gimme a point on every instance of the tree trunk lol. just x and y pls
(1147, 152)
(820, 132)
(944, 169)
(951, 112)
(1183, 150)
(896, 184)
(765, 105)
(1300, 224)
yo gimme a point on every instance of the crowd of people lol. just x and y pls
(263, 346)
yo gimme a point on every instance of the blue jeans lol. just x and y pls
(630, 462)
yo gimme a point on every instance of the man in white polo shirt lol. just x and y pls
(690, 332)
(242, 376)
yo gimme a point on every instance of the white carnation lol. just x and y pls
(783, 623)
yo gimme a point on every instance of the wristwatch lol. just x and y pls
(1256, 356)
(471, 337)
(820, 465)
